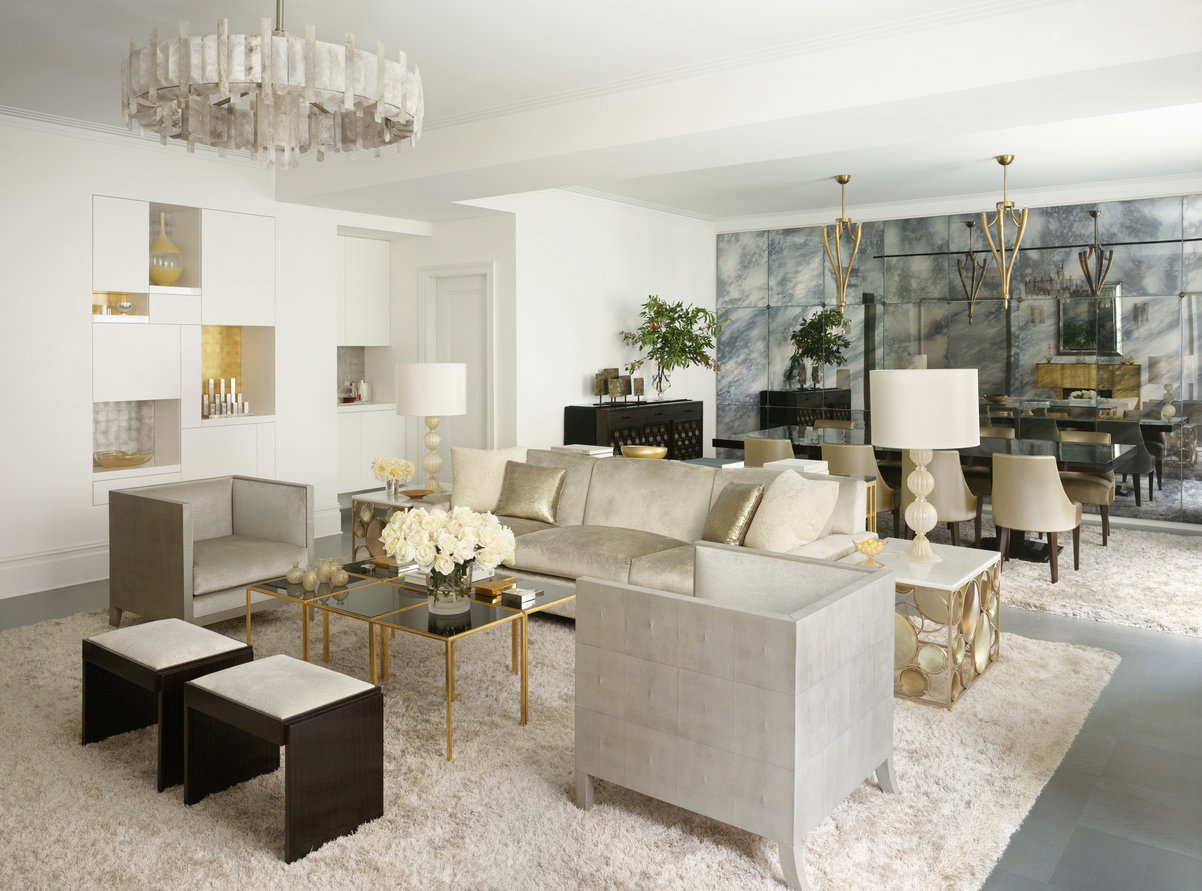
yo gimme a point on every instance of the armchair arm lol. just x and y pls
(150, 555)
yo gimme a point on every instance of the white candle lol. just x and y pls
(233, 387)
(210, 389)
(223, 389)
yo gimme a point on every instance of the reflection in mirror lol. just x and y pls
(1092, 326)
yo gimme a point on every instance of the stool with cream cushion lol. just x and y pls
(134, 677)
(1090, 488)
(758, 451)
(1027, 496)
(333, 725)
(952, 498)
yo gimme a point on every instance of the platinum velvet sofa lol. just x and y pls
(631, 520)
(188, 550)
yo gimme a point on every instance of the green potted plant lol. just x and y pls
(820, 340)
(673, 335)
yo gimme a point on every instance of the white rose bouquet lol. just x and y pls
(444, 544)
(392, 470)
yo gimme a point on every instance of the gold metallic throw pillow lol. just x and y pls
(531, 492)
(730, 516)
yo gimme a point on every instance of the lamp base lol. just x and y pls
(432, 461)
(921, 515)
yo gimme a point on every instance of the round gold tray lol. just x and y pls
(644, 451)
(122, 459)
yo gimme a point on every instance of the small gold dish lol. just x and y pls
(644, 451)
(870, 547)
(996, 398)
(116, 458)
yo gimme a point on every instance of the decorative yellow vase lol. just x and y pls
(166, 262)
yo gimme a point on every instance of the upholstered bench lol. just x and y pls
(236, 720)
(134, 677)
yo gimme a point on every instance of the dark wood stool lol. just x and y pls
(134, 677)
(333, 725)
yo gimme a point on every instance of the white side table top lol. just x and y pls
(956, 567)
(801, 465)
(380, 496)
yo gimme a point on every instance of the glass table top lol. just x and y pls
(371, 599)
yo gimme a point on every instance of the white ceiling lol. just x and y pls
(734, 112)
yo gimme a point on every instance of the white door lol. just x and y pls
(461, 335)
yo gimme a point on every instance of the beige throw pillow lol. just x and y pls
(793, 512)
(478, 474)
(730, 516)
(531, 492)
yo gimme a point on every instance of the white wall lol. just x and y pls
(584, 268)
(50, 532)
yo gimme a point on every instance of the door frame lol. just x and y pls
(427, 317)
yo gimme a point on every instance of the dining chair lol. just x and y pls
(759, 450)
(1028, 496)
(980, 479)
(833, 424)
(1038, 428)
(861, 460)
(997, 432)
(1129, 433)
(953, 500)
(1090, 488)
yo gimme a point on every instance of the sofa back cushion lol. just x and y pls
(212, 514)
(851, 506)
(271, 510)
(575, 484)
(531, 492)
(478, 474)
(665, 497)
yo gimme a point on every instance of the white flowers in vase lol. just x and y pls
(396, 470)
(441, 542)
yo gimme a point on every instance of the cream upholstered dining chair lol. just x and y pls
(861, 460)
(1090, 488)
(952, 498)
(1038, 428)
(759, 450)
(1027, 496)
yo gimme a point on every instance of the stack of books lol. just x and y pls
(490, 591)
(418, 578)
(520, 598)
(595, 451)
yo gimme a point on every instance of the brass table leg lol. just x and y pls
(305, 630)
(525, 629)
(248, 615)
(371, 654)
(325, 636)
(450, 685)
(513, 661)
(384, 669)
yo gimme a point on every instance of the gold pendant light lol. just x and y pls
(843, 225)
(1095, 277)
(976, 270)
(997, 246)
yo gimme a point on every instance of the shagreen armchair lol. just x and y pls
(762, 701)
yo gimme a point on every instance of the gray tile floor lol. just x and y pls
(1122, 812)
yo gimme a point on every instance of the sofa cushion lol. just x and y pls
(850, 508)
(272, 510)
(793, 512)
(670, 570)
(478, 474)
(575, 485)
(604, 552)
(830, 547)
(521, 526)
(664, 497)
(219, 563)
(731, 513)
(531, 492)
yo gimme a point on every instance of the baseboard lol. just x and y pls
(59, 568)
(327, 521)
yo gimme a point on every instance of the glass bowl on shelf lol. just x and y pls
(118, 458)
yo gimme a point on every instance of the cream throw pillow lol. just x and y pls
(793, 512)
(531, 492)
(478, 474)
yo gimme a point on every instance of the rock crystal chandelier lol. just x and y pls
(273, 94)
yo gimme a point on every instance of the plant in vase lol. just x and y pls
(820, 340)
(673, 335)
(445, 545)
(393, 473)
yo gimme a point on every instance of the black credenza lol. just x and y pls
(787, 408)
(675, 423)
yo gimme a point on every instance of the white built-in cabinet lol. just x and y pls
(119, 242)
(365, 434)
(238, 269)
(135, 362)
(242, 448)
(363, 291)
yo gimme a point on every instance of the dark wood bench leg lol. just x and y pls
(218, 756)
(333, 774)
(113, 705)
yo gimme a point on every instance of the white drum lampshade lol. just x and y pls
(431, 390)
(923, 410)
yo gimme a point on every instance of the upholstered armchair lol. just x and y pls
(188, 550)
(762, 701)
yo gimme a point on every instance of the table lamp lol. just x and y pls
(922, 410)
(431, 390)
(1165, 370)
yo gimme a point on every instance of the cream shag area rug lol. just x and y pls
(1142, 579)
(501, 816)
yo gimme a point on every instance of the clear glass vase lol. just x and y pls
(451, 593)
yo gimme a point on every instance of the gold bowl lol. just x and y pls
(870, 547)
(996, 398)
(116, 458)
(644, 451)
